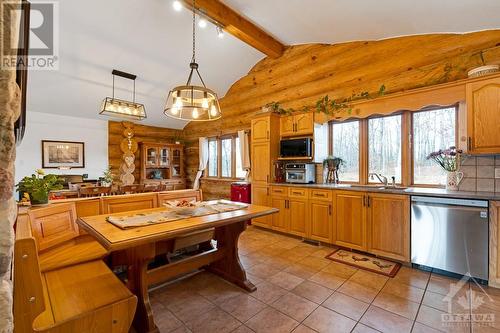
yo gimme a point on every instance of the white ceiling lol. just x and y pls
(149, 39)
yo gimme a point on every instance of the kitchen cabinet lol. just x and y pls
(280, 221)
(264, 147)
(350, 217)
(483, 109)
(260, 129)
(297, 125)
(162, 164)
(494, 260)
(388, 225)
(298, 216)
(321, 220)
(261, 163)
(260, 196)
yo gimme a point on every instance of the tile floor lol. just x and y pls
(298, 290)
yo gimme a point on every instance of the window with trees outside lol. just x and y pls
(224, 159)
(345, 144)
(384, 147)
(432, 130)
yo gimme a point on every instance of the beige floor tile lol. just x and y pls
(358, 291)
(327, 280)
(421, 328)
(312, 291)
(219, 292)
(182, 329)
(166, 321)
(385, 321)
(412, 277)
(336, 268)
(489, 295)
(292, 255)
(443, 303)
(443, 285)
(249, 261)
(213, 321)
(303, 329)
(314, 262)
(369, 279)
(346, 305)
(184, 310)
(285, 280)
(360, 328)
(434, 318)
(242, 329)
(263, 271)
(301, 271)
(254, 279)
(323, 252)
(484, 317)
(271, 320)
(397, 305)
(294, 306)
(242, 307)
(306, 248)
(279, 262)
(268, 292)
(324, 320)
(397, 288)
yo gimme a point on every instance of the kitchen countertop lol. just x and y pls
(432, 192)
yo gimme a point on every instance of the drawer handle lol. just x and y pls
(299, 193)
(320, 195)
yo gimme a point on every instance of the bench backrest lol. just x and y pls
(123, 203)
(189, 195)
(28, 289)
(54, 224)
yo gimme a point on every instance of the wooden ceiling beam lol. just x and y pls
(238, 26)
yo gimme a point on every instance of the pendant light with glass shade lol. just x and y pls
(191, 102)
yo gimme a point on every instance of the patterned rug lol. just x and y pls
(366, 262)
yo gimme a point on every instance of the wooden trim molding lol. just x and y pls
(494, 264)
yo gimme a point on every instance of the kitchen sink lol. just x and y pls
(379, 187)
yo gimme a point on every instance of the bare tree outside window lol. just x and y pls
(212, 158)
(226, 145)
(345, 145)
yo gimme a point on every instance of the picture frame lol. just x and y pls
(63, 154)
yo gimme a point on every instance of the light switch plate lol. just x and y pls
(497, 172)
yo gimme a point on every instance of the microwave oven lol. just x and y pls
(296, 148)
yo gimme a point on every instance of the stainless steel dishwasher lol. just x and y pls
(450, 235)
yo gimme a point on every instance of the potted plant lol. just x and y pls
(449, 160)
(39, 185)
(332, 164)
(107, 177)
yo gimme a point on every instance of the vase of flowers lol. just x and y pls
(38, 186)
(449, 160)
(332, 164)
(107, 177)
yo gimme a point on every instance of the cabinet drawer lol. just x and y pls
(278, 191)
(321, 195)
(298, 192)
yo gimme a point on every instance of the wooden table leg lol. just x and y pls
(139, 257)
(230, 267)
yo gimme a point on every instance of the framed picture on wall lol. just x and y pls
(63, 154)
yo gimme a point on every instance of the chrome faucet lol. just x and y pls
(379, 176)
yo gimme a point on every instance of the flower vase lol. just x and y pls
(453, 179)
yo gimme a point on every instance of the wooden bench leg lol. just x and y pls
(229, 267)
(139, 257)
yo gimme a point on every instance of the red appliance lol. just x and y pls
(240, 191)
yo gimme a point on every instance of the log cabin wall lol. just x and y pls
(305, 73)
(142, 133)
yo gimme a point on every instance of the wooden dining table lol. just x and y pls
(139, 243)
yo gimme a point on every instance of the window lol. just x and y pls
(345, 144)
(432, 130)
(223, 158)
(384, 147)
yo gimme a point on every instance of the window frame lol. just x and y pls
(330, 144)
(219, 176)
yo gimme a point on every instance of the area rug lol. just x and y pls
(366, 262)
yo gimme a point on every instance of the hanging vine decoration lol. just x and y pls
(326, 105)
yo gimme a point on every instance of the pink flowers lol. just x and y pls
(448, 159)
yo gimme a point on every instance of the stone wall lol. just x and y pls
(9, 112)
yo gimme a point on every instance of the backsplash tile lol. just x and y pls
(469, 160)
(485, 185)
(485, 171)
(468, 184)
(497, 185)
(479, 173)
(469, 171)
(485, 160)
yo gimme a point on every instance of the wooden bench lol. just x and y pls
(59, 239)
(85, 297)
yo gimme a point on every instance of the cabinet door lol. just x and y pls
(389, 226)
(304, 123)
(260, 196)
(287, 125)
(299, 219)
(151, 156)
(163, 157)
(260, 129)
(261, 163)
(483, 110)
(321, 220)
(280, 219)
(350, 217)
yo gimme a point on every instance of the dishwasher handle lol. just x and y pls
(449, 201)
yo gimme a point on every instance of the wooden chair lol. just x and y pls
(94, 191)
(81, 298)
(153, 187)
(130, 189)
(58, 237)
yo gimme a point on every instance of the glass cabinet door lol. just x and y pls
(164, 157)
(176, 162)
(151, 157)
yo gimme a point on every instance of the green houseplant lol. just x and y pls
(107, 177)
(332, 164)
(39, 185)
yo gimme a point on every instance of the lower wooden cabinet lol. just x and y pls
(280, 220)
(350, 217)
(260, 196)
(298, 216)
(388, 225)
(321, 221)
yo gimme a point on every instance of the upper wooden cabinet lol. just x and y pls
(483, 114)
(261, 128)
(389, 225)
(261, 163)
(297, 125)
(264, 147)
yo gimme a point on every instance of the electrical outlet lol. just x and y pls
(497, 172)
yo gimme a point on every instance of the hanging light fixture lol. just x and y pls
(115, 107)
(190, 102)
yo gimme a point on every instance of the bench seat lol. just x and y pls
(77, 250)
